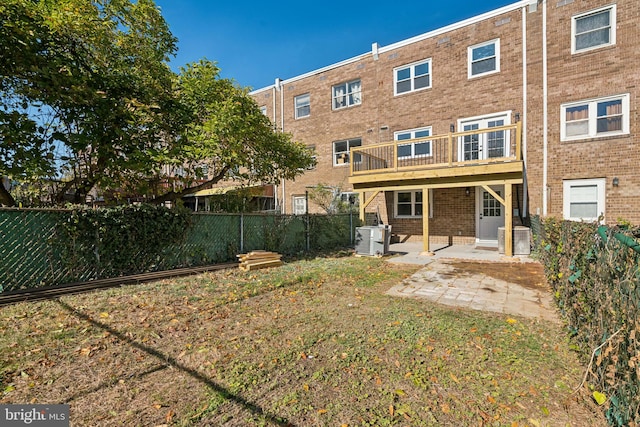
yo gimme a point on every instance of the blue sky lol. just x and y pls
(254, 42)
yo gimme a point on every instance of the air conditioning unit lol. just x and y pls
(373, 240)
(521, 240)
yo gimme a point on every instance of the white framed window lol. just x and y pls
(347, 94)
(408, 204)
(314, 155)
(412, 77)
(594, 118)
(341, 151)
(483, 58)
(299, 205)
(302, 104)
(583, 199)
(350, 200)
(263, 110)
(593, 29)
(421, 148)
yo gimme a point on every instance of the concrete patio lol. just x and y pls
(443, 279)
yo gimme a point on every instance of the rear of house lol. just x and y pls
(452, 134)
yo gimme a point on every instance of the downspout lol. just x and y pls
(545, 125)
(275, 186)
(525, 191)
(278, 87)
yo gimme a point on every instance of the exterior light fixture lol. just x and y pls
(452, 128)
(616, 181)
(467, 191)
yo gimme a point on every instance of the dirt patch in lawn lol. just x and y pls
(527, 274)
(312, 343)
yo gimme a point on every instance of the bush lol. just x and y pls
(120, 240)
(595, 275)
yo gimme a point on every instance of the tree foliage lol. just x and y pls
(88, 101)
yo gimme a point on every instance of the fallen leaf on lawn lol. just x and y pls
(400, 392)
(535, 423)
(599, 397)
(322, 411)
(305, 387)
(157, 406)
(511, 321)
(490, 399)
(170, 415)
(391, 410)
(104, 315)
(453, 377)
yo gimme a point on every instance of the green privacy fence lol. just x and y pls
(594, 272)
(38, 250)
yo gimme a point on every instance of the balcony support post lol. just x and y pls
(508, 220)
(425, 222)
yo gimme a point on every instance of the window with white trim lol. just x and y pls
(341, 151)
(302, 104)
(594, 118)
(593, 29)
(420, 148)
(263, 110)
(408, 204)
(314, 156)
(483, 58)
(412, 77)
(346, 94)
(583, 199)
(299, 205)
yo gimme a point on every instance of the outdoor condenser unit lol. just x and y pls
(521, 240)
(373, 240)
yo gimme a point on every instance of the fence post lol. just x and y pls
(241, 232)
(351, 227)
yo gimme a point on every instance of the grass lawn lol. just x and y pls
(312, 343)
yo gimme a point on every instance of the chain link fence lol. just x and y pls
(31, 258)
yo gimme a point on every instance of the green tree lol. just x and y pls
(87, 101)
(85, 91)
(228, 137)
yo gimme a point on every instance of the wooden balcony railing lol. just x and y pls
(481, 146)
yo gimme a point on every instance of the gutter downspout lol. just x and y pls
(278, 87)
(273, 96)
(545, 125)
(525, 192)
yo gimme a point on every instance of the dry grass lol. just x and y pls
(312, 343)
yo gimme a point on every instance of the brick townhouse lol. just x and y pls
(530, 109)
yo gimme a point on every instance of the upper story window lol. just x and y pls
(341, 151)
(595, 118)
(412, 77)
(593, 29)
(263, 110)
(419, 148)
(347, 94)
(302, 105)
(484, 58)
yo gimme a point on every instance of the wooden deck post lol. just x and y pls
(508, 220)
(361, 195)
(425, 221)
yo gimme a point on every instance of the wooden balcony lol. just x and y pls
(476, 156)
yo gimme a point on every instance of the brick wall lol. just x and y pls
(571, 77)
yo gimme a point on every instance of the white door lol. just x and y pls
(490, 214)
(485, 145)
